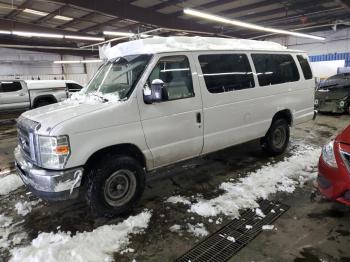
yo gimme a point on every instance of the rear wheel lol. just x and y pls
(43, 102)
(276, 140)
(115, 186)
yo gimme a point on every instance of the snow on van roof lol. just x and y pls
(183, 43)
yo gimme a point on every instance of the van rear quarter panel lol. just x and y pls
(236, 117)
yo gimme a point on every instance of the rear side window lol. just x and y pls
(275, 69)
(305, 66)
(10, 87)
(226, 72)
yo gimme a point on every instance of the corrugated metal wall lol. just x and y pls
(330, 57)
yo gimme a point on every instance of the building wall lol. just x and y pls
(336, 42)
(23, 64)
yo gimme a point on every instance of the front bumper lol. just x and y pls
(332, 106)
(49, 184)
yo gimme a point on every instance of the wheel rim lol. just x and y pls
(279, 137)
(120, 187)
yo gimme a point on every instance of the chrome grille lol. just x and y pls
(26, 141)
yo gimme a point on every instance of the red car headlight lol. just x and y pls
(328, 154)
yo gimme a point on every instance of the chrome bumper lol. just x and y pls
(48, 184)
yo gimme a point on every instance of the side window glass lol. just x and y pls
(305, 67)
(175, 72)
(6, 87)
(226, 72)
(273, 69)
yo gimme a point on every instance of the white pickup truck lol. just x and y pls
(156, 102)
(21, 95)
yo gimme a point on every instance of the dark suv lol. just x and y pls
(333, 95)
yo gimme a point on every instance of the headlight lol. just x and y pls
(53, 151)
(328, 154)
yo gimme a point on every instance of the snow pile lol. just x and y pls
(5, 231)
(91, 98)
(24, 208)
(268, 227)
(175, 228)
(198, 230)
(98, 245)
(178, 43)
(178, 199)
(229, 238)
(9, 183)
(282, 176)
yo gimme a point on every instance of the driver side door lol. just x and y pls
(173, 128)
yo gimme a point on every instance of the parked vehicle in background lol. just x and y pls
(21, 95)
(73, 86)
(156, 102)
(333, 95)
(334, 169)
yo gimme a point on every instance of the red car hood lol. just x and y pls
(344, 137)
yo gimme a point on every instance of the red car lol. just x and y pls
(334, 169)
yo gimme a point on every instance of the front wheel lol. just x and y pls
(276, 140)
(115, 186)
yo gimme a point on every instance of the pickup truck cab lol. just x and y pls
(156, 102)
(21, 95)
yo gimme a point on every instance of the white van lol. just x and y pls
(156, 102)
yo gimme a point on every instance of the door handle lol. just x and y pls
(22, 94)
(199, 118)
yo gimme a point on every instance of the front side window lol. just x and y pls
(10, 86)
(226, 72)
(118, 77)
(275, 69)
(175, 72)
(305, 67)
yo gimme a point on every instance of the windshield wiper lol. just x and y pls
(100, 97)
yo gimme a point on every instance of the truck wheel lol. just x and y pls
(276, 140)
(41, 103)
(115, 186)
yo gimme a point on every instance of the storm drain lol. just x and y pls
(227, 241)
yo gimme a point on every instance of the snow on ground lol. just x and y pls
(98, 245)
(9, 183)
(175, 228)
(24, 208)
(178, 199)
(282, 176)
(198, 230)
(268, 227)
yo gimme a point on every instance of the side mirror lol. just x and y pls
(155, 93)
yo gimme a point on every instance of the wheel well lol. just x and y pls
(285, 114)
(49, 98)
(122, 149)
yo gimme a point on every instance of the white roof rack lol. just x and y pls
(183, 43)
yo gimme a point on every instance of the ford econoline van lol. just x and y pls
(156, 102)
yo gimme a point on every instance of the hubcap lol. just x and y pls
(120, 187)
(279, 137)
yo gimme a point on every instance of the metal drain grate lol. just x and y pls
(221, 247)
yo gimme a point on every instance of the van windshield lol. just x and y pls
(118, 77)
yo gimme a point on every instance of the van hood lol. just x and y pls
(52, 115)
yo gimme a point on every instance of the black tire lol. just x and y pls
(276, 139)
(115, 186)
